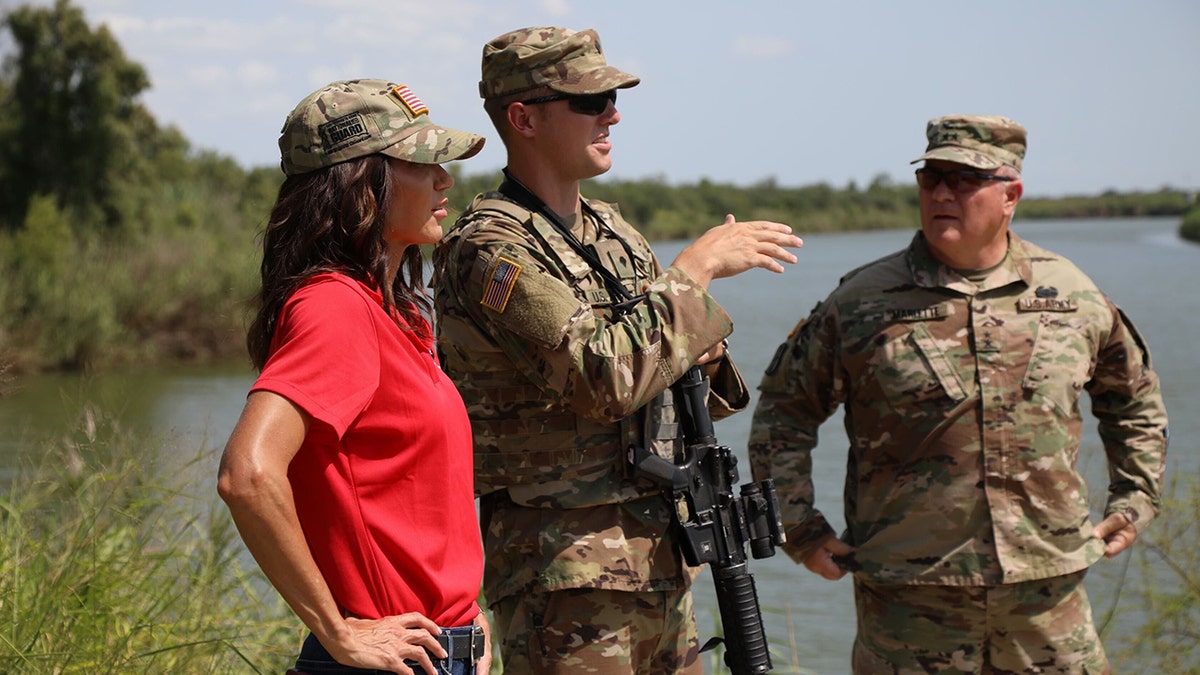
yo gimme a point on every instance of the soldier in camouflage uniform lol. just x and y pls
(565, 362)
(961, 362)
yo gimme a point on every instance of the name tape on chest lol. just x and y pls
(916, 314)
(1046, 305)
(501, 280)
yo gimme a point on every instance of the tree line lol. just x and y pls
(122, 243)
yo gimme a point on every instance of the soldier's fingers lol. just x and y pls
(1119, 541)
(838, 547)
(1113, 523)
(764, 225)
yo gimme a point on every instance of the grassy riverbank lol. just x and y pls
(110, 563)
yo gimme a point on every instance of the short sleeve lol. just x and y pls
(325, 353)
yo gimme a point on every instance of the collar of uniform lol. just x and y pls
(929, 272)
(581, 225)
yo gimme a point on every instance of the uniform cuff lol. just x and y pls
(1137, 507)
(804, 539)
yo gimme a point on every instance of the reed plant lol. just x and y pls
(1167, 597)
(110, 563)
(786, 653)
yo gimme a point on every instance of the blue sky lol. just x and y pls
(794, 90)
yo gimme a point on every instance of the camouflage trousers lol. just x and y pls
(1042, 626)
(583, 630)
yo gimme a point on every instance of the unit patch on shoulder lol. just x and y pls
(406, 96)
(501, 280)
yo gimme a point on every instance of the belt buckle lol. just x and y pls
(477, 639)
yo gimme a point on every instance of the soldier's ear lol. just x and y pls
(521, 118)
(1012, 194)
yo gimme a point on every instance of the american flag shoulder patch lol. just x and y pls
(415, 105)
(501, 281)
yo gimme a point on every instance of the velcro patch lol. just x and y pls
(916, 314)
(1046, 305)
(410, 101)
(342, 133)
(501, 280)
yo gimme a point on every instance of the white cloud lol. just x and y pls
(762, 47)
(556, 7)
(257, 72)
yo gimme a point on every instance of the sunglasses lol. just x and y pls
(958, 180)
(584, 104)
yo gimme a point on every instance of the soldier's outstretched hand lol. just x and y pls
(733, 247)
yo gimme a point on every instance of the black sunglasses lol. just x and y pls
(584, 104)
(958, 180)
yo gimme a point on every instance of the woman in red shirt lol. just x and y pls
(349, 473)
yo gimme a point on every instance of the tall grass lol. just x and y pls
(1168, 555)
(109, 563)
(785, 651)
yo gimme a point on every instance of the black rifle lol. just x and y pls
(715, 525)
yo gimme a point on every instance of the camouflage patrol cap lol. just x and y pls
(541, 60)
(354, 118)
(981, 141)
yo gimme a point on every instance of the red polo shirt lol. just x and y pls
(383, 482)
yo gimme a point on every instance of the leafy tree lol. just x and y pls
(68, 98)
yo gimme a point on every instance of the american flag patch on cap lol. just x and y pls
(500, 284)
(415, 105)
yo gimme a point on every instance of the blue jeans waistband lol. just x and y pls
(314, 659)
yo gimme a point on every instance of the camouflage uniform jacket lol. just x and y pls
(558, 385)
(962, 410)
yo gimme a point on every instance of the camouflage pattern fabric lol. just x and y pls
(558, 384)
(598, 631)
(354, 118)
(531, 62)
(1038, 627)
(962, 411)
(981, 141)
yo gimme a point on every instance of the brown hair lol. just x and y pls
(332, 220)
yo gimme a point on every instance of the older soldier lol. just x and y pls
(961, 362)
(563, 333)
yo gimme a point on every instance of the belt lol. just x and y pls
(464, 645)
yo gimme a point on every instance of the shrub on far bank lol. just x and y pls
(1190, 227)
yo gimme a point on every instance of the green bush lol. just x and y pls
(1190, 227)
(80, 298)
(50, 309)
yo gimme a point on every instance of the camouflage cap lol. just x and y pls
(354, 118)
(981, 141)
(521, 62)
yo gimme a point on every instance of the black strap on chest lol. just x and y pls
(514, 190)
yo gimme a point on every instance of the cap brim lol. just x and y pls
(436, 145)
(596, 81)
(967, 156)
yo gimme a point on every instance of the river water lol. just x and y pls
(1141, 263)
